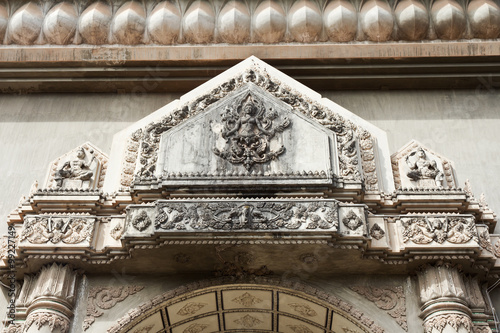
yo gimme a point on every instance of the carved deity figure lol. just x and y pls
(248, 131)
(77, 168)
(423, 168)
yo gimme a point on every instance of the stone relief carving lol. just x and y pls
(247, 300)
(481, 329)
(55, 229)
(142, 221)
(131, 153)
(117, 231)
(195, 328)
(82, 168)
(239, 267)
(248, 321)
(485, 241)
(15, 328)
(191, 308)
(51, 319)
(497, 248)
(248, 129)
(351, 140)
(425, 230)
(145, 329)
(299, 329)
(390, 299)
(422, 169)
(439, 323)
(247, 215)
(104, 298)
(303, 309)
(377, 232)
(352, 221)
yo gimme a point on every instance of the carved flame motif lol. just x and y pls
(247, 300)
(303, 309)
(300, 329)
(248, 129)
(190, 308)
(195, 328)
(248, 321)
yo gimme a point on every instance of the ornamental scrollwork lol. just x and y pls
(53, 320)
(142, 221)
(425, 230)
(54, 229)
(352, 221)
(438, 323)
(246, 215)
(248, 129)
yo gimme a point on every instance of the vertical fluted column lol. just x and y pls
(444, 302)
(48, 299)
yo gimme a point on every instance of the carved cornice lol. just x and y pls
(101, 298)
(390, 299)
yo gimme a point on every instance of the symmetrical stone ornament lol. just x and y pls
(415, 166)
(390, 299)
(82, 168)
(98, 24)
(428, 229)
(57, 229)
(103, 298)
(248, 128)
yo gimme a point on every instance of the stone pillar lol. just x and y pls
(48, 299)
(445, 307)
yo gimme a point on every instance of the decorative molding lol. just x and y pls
(248, 129)
(425, 230)
(103, 298)
(351, 139)
(57, 229)
(195, 328)
(303, 309)
(377, 232)
(485, 241)
(439, 322)
(15, 328)
(247, 300)
(131, 154)
(349, 309)
(248, 321)
(497, 248)
(52, 319)
(240, 215)
(352, 221)
(142, 221)
(390, 299)
(160, 23)
(191, 308)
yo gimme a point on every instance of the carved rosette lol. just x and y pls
(55, 229)
(352, 141)
(103, 298)
(453, 229)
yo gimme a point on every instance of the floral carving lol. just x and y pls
(497, 248)
(53, 320)
(247, 300)
(145, 329)
(195, 328)
(104, 298)
(131, 153)
(248, 321)
(377, 232)
(300, 329)
(247, 215)
(390, 299)
(348, 134)
(439, 322)
(485, 241)
(348, 330)
(117, 231)
(190, 308)
(15, 328)
(248, 129)
(352, 221)
(142, 221)
(424, 230)
(481, 329)
(303, 309)
(68, 230)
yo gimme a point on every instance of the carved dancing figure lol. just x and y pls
(423, 168)
(77, 168)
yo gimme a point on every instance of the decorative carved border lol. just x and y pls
(351, 139)
(142, 310)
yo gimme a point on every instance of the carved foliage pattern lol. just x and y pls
(142, 221)
(248, 321)
(247, 300)
(190, 308)
(497, 248)
(424, 230)
(390, 299)
(303, 309)
(377, 232)
(53, 320)
(485, 241)
(104, 298)
(352, 221)
(195, 328)
(54, 229)
(439, 322)
(299, 329)
(348, 134)
(131, 153)
(251, 216)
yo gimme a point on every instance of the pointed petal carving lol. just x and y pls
(26, 23)
(449, 19)
(377, 21)
(234, 23)
(60, 23)
(484, 18)
(129, 23)
(412, 20)
(94, 24)
(305, 21)
(164, 23)
(269, 22)
(199, 23)
(341, 21)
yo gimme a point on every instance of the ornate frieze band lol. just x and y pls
(244, 215)
(236, 22)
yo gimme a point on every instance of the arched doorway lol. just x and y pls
(245, 307)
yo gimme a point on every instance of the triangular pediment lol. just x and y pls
(251, 126)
